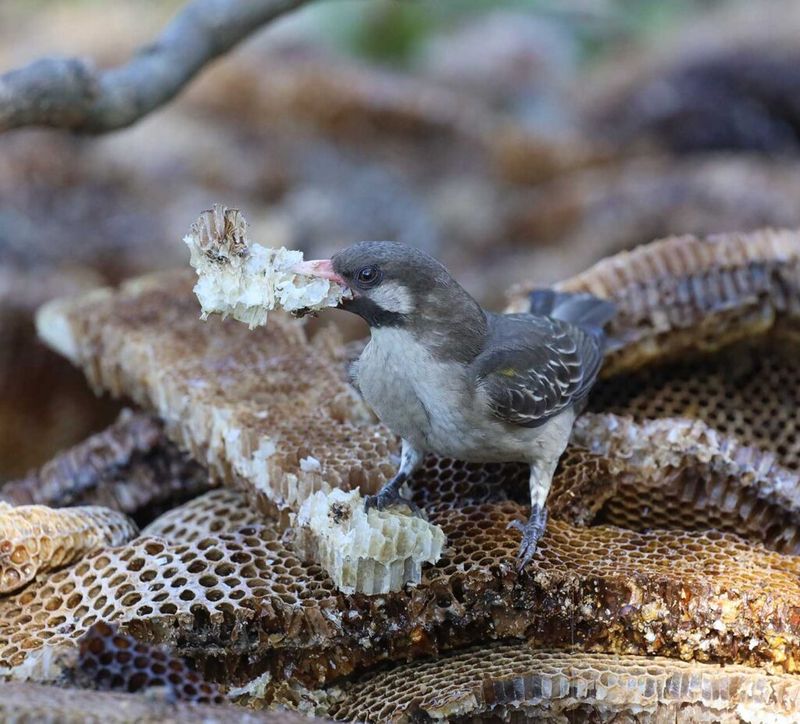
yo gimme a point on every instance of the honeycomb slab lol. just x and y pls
(516, 683)
(243, 605)
(686, 294)
(680, 472)
(35, 538)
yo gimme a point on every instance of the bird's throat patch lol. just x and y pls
(372, 314)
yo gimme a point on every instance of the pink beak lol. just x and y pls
(322, 268)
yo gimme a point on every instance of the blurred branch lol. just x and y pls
(72, 93)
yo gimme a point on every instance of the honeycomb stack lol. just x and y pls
(665, 587)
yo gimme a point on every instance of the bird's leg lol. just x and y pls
(540, 480)
(389, 494)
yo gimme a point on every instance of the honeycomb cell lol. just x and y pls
(512, 682)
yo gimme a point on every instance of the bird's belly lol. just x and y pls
(464, 437)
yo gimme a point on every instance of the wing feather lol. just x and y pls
(535, 367)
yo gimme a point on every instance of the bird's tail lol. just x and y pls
(581, 309)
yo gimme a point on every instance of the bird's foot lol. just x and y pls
(531, 533)
(389, 495)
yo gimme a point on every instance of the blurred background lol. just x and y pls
(513, 140)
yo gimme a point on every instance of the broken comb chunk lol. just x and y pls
(245, 280)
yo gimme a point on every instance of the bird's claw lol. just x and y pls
(516, 525)
(531, 533)
(387, 497)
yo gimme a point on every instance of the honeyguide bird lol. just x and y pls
(451, 378)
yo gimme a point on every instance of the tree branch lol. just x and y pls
(72, 93)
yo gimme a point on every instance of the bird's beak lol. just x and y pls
(322, 268)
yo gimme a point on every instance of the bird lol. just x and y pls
(451, 378)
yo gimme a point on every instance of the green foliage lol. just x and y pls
(392, 31)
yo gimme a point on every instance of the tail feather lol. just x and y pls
(581, 309)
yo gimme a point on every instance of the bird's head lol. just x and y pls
(392, 284)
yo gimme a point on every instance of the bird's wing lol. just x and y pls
(534, 367)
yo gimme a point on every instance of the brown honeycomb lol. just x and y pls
(112, 661)
(26, 703)
(512, 682)
(685, 295)
(241, 604)
(233, 596)
(131, 466)
(35, 538)
(680, 472)
(269, 400)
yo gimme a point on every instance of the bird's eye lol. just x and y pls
(369, 276)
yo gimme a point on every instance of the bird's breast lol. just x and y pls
(413, 393)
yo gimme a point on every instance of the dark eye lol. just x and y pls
(369, 276)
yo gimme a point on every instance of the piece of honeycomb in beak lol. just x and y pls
(370, 552)
(245, 280)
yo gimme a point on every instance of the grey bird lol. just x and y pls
(451, 378)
